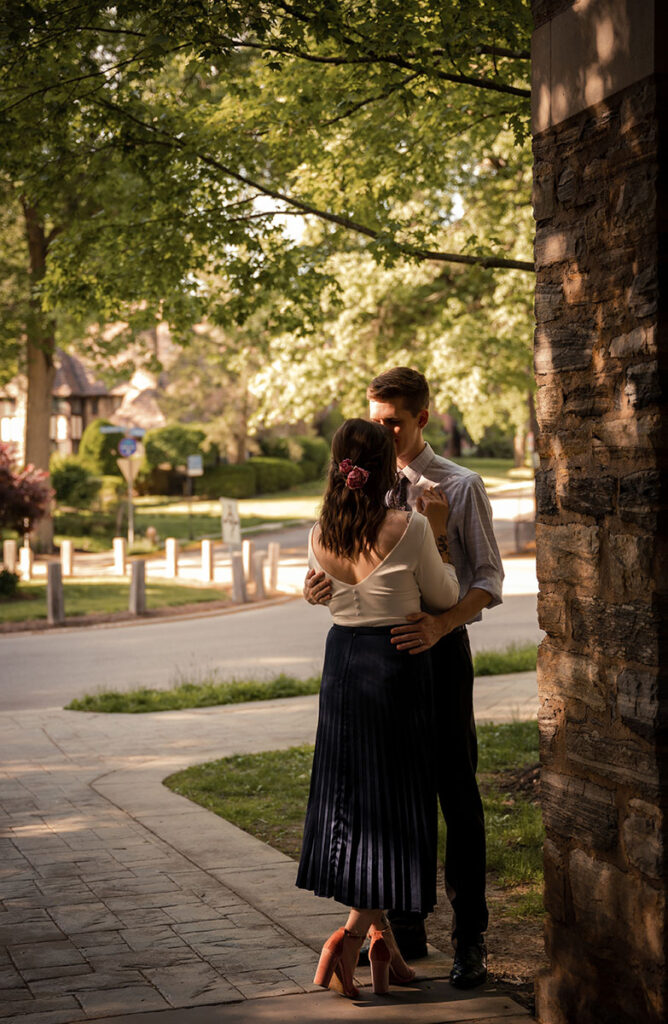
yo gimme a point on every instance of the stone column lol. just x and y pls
(601, 359)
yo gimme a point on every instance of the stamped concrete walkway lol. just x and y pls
(123, 901)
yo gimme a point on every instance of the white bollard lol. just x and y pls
(273, 555)
(120, 555)
(258, 575)
(137, 602)
(207, 561)
(239, 593)
(9, 555)
(247, 551)
(172, 558)
(67, 557)
(55, 599)
(25, 562)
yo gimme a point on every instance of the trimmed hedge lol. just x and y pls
(275, 474)
(236, 481)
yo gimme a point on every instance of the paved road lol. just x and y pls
(48, 669)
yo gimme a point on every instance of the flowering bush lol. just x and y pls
(24, 496)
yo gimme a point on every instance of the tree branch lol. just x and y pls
(307, 208)
(370, 99)
(394, 60)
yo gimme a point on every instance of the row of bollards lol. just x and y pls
(248, 565)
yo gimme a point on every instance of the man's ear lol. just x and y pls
(423, 418)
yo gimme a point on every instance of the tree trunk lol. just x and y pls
(40, 332)
(241, 429)
(533, 428)
(519, 446)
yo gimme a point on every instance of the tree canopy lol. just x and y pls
(181, 161)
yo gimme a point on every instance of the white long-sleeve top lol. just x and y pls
(411, 570)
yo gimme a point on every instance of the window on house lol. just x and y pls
(59, 431)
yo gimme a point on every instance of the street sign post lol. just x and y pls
(130, 453)
(194, 467)
(230, 522)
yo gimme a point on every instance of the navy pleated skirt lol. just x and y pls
(370, 831)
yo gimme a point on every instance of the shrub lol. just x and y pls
(275, 474)
(309, 453)
(73, 483)
(495, 443)
(172, 445)
(75, 524)
(113, 490)
(235, 481)
(25, 496)
(315, 457)
(9, 583)
(97, 451)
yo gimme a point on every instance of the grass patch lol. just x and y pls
(266, 794)
(498, 474)
(514, 658)
(207, 692)
(203, 694)
(85, 598)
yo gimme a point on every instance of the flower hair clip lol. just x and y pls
(356, 477)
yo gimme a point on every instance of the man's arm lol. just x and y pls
(423, 630)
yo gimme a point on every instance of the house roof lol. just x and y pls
(73, 379)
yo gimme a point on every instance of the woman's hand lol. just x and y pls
(434, 505)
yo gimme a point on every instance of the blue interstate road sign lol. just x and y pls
(127, 446)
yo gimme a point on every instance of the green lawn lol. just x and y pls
(205, 692)
(266, 794)
(101, 595)
(194, 695)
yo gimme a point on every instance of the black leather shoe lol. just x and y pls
(470, 966)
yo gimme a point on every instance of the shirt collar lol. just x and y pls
(415, 469)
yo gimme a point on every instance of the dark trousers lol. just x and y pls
(457, 760)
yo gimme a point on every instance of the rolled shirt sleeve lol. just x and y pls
(477, 538)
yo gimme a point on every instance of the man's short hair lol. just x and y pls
(401, 382)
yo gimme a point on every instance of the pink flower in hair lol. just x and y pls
(357, 477)
(345, 466)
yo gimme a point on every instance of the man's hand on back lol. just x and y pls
(317, 587)
(421, 633)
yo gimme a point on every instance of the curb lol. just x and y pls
(115, 620)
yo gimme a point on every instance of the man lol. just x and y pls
(399, 399)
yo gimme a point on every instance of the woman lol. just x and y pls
(370, 831)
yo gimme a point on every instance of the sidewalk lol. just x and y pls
(124, 902)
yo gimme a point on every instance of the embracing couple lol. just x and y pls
(405, 556)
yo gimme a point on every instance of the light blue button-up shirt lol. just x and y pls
(473, 546)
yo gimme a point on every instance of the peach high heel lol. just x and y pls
(399, 971)
(337, 963)
(379, 961)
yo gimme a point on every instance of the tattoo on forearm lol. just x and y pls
(443, 547)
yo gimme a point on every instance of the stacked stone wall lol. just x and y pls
(601, 361)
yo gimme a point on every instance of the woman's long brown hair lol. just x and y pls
(351, 519)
